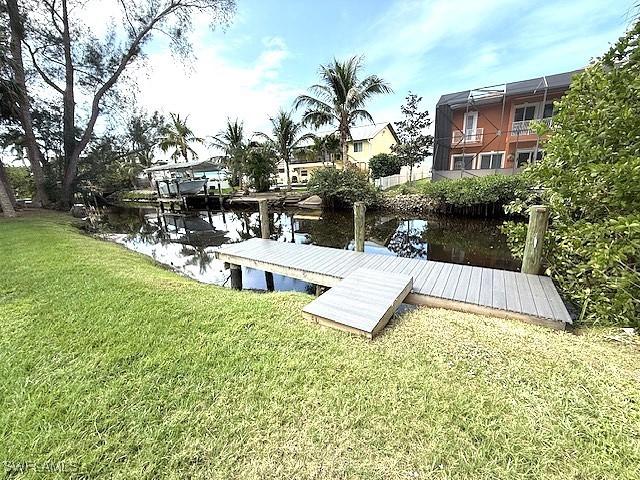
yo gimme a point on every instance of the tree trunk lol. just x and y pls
(5, 202)
(286, 166)
(344, 148)
(4, 178)
(23, 102)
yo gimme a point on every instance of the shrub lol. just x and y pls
(21, 181)
(384, 164)
(591, 180)
(478, 191)
(342, 188)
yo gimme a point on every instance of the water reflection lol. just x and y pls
(187, 243)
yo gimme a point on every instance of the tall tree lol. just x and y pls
(232, 142)
(177, 136)
(76, 65)
(340, 99)
(415, 144)
(19, 98)
(286, 135)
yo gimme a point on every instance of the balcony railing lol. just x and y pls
(467, 138)
(524, 127)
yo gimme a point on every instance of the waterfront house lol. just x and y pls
(366, 141)
(489, 130)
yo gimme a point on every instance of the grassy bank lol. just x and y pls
(112, 366)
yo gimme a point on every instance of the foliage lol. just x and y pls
(233, 143)
(286, 135)
(137, 372)
(340, 99)
(21, 181)
(466, 192)
(261, 165)
(142, 135)
(591, 180)
(342, 188)
(178, 137)
(414, 145)
(85, 72)
(384, 164)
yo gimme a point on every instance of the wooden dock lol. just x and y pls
(501, 293)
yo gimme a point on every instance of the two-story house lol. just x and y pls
(366, 141)
(489, 130)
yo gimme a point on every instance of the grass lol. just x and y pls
(417, 186)
(113, 367)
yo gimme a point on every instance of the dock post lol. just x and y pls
(236, 276)
(534, 244)
(263, 209)
(220, 197)
(359, 210)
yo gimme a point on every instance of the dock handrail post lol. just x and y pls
(534, 244)
(263, 209)
(359, 209)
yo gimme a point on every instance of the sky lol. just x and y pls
(271, 52)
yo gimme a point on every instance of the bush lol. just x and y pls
(21, 181)
(591, 180)
(478, 191)
(384, 164)
(342, 188)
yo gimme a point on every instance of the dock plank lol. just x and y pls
(473, 292)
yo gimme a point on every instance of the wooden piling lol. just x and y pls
(359, 210)
(263, 209)
(236, 276)
(532, 258)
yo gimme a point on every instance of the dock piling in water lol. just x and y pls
(359, 210)
(534, 244)
(263, 209)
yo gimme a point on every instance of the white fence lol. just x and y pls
(419, 172)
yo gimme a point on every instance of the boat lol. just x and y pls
(182, 187)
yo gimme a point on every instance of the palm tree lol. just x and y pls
(286, 134)
(340, 98)
(232, 142)
(179, 137)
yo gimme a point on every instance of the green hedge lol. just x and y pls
(341, 188)
(476, 191)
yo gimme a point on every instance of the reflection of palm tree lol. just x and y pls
(199, 256)
(408, 242)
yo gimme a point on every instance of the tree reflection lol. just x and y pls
(408, 241)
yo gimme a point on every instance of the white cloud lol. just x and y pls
(216, 88)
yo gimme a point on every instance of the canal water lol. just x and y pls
(187, 244)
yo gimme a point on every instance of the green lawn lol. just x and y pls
(114, 367)
(414, 187)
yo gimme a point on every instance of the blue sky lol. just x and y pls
(271, 51)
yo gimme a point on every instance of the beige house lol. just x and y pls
(366, 141)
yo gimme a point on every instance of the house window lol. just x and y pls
(462, 162)
(470, 125)
(524, 113)
(303, 173)
(357, 146)
(281, 170)
(491, 160)
(548, 110)
(524, 157)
